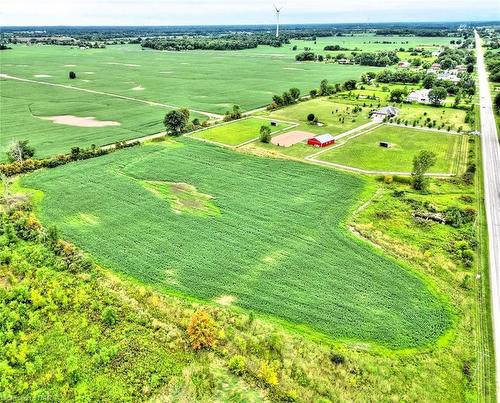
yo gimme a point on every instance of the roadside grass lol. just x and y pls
(485, 352)
(365, 152)
(237, 132)
(273, 247)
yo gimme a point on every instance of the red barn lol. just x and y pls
(322, 140)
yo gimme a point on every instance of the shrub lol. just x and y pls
(72, 75)
(202, 330)
(337, 359)
(311, 117)
(108, 316)
(268, 374)
(388, 179)
(238, 364)
(265, 134)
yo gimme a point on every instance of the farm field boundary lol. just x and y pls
(193, 134)
(264, 278)
(456, 153)
(109, 94)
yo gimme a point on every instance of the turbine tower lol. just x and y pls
(278, 9)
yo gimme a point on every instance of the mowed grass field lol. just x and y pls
(22, 105)
(211, 81)
(336, 117)
(238, 132)
(263, 234)
(364, 151)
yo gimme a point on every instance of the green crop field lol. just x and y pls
(211, 81)
(22, 106)
(237, 132)
(364, 151)
(258, 233)
(364, 42)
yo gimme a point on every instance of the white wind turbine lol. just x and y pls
(278, 8)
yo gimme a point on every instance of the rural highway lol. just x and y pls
(491, 167)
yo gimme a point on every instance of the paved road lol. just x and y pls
(109, 94)
(491, 166)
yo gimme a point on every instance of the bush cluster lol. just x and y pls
(77, 153)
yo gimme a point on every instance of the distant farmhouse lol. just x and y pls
(448, 75)
(386, 112)
(421, 96)
(435, 67)
(404, 64)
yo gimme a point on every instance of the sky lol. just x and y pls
(215, 12)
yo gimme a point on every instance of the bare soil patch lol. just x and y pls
(71, 120)
(290, 138)
(225, 299)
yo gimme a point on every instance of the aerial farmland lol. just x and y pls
(237, 215)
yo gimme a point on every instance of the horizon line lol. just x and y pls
(256, 24)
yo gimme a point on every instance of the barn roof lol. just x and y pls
(323, 138)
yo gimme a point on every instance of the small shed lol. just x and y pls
(384, 144)
(321, 141)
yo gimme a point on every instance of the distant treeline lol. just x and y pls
(298, 31)
(377, 59)
(234, 42)
(415, 32)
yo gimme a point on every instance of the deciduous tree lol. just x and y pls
(421, 164)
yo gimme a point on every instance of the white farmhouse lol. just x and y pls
(421, 96)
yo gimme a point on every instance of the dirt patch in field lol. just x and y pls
(290, 138)
(71, 120)
(70, 65)
(225, 300)
(138, 88)
(42, 75)
(88, 72)
(183, 198)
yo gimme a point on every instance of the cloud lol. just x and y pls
(213, 12)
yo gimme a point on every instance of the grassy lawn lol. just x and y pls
(364, 151)
(381, 92)
(23, 104)
(272, 242)
(337, 117)
(211, 81)
(444, 117)
(237, 132)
